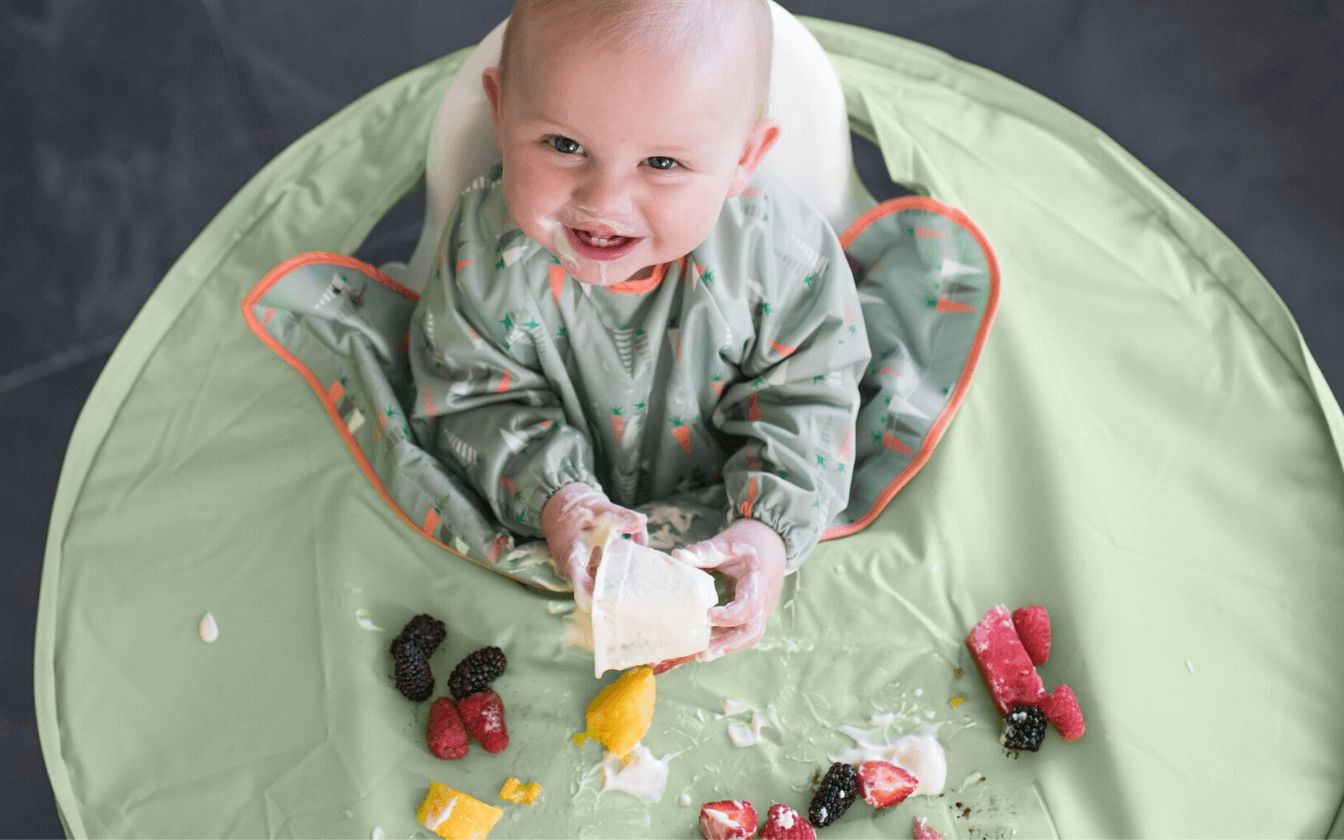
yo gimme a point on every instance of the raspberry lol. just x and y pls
(921, 831)
(445, 733)
(728, 819)
(1033, 628)
(425, 632)
(483, 715)
(1061, 709)
(784, 823)
(839, 788)
(414, 679)
(883, 784)
(476, 671)
(1023, 728)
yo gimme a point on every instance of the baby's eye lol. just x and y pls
(663, 163)
(564, 145)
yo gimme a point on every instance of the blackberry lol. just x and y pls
(414, 679)
(839, 788)
(425, 632)
(1023, 728)
(475, 672)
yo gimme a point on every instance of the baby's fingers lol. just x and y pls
(581, 574)
(732, 639)
(748, 603)
(637, 526)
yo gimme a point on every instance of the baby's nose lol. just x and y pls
(602, 192)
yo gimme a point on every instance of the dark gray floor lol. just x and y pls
(125, 126)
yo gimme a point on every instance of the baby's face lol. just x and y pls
(617, 162)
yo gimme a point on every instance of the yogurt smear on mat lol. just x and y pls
(921, 755)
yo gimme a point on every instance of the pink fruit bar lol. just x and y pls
(1009, 673)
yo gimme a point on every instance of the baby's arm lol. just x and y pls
(484, 411)
(796, 410)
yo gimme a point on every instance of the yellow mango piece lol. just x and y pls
(621, 713)
(516, 791)
(454, 815)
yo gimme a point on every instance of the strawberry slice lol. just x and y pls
(921, 831)
(728, 819)
(784, 823)
(883, 784)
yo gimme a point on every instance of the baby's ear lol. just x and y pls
(763, 135)
(490, 81)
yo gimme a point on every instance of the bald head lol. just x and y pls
(736, 29)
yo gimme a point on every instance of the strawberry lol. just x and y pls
(1033, 628)
(728, 819)
(784, 823)
(483, 715)
(921, 831)
(445, 733)
(883, 784)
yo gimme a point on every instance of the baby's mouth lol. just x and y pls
(601, 246)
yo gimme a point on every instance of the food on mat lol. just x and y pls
(425, 632)
(839, 788)
(445, 733)
(728, 819)
(1009, 673)
(784, 823)
(1033, 628)
(476, 671)
(1001, 651)
(516, 791)
(883, 784)
(454, 815)
(411, 650)
(620, 714)
(414, 679)
(1061, 709)
(483, 715)
(1023, 728)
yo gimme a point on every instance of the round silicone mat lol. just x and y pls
(1148, 451)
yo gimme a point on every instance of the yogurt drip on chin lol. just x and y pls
(560, 242)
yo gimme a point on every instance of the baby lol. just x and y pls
(625, 310)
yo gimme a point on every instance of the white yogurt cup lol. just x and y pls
(647, 607)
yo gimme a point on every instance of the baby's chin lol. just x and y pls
(605, 275)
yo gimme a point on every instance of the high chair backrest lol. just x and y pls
(812, 154)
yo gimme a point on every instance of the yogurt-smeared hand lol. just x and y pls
(577, 521)
(751, 556)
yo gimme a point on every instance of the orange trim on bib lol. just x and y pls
(935, 433)
(249, 304)
(639, 287)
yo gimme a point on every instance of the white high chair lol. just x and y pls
(812, 154)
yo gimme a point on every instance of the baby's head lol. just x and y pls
(625, 124)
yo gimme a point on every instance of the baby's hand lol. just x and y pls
(574, 521)
(751, 556)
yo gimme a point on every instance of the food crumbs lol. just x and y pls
(956, 672)
(516, 791)
(957, 701)
(209, 629)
